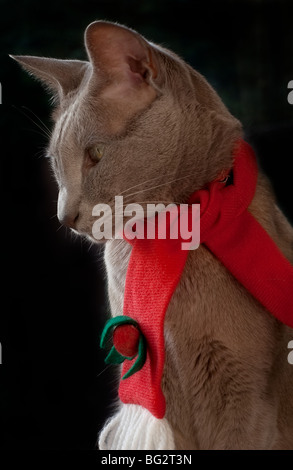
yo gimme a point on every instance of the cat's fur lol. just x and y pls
(166, 133)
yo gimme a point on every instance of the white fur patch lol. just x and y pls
(135, 428)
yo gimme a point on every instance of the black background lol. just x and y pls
(55, 392)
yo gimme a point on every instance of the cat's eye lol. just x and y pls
(95, 153)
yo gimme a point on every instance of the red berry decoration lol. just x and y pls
(126, 339)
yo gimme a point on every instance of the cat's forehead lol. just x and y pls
(78, 123)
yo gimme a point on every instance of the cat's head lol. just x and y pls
(134, 120)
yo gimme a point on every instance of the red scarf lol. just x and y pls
(234, 236)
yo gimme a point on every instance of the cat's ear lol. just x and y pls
(122, 54)
(60, 76)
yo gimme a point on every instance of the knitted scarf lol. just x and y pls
(235, 237)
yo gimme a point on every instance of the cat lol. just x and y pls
(136, 120)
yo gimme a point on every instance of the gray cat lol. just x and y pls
(137, 120)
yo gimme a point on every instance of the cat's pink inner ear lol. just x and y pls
(117, 50)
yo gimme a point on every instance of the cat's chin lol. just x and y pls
(90, 238)
(87, 236)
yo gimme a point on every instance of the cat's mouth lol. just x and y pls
(88, 235)
(101, 229)
(141, 222)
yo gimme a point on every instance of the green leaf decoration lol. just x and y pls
(114, 357)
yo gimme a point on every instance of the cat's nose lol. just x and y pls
(67, 210)
(69, 220)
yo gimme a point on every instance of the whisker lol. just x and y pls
(187, 168)
(45, 131)
(107, 367)
(159, 185)
(139, 184)
(45, 127)
(90, 246)
(38, 132)
(40, 153)
(152, 202)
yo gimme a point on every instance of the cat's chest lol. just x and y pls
(117, 254)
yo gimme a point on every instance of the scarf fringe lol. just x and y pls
(135, 428)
